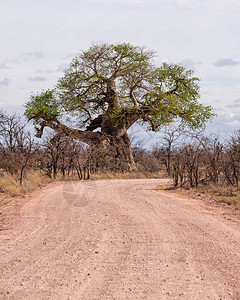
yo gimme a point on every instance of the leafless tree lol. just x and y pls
(17, 145)
(170, 136)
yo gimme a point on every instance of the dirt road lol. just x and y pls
(119, 239)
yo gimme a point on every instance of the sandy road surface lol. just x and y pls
(119, 240)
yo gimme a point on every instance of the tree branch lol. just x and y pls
(133, 98)
(95, 123)
(88, 137)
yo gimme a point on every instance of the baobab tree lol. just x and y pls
(107, 89)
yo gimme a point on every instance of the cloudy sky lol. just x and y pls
(39, 39)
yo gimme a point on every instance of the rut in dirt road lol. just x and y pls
(119, 239)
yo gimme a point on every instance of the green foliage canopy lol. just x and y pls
(121, 84)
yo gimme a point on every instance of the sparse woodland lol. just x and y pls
(190, 159)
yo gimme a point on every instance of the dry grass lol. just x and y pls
(12, 195)
(223, 194)
(131, 175)
(9, 184)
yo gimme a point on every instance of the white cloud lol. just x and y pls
(71, 55)
(62, 67)
(188, 63)
(37, 78)
(235, 105)
(5, 82)
(225, 118)
(226, 62)
(4, 66)
(224, 123)
(29, 56)
(236, 117)
(11, 110)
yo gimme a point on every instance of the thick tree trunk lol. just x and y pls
(110, 148)
(121, 153)
(113, 154)
(118, 147)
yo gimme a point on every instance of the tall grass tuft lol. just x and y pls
(9, 184)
